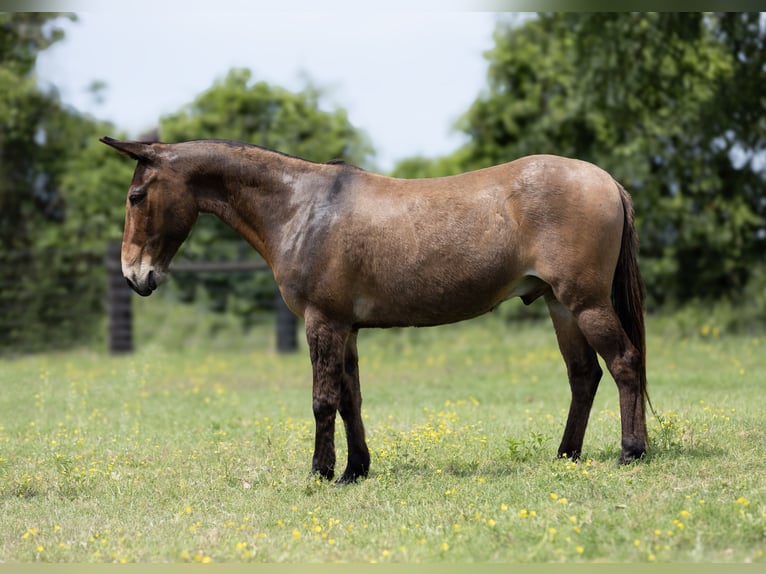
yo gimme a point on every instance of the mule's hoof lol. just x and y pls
(350, 476)
(347, 479)
(573, 455)
(325, 473)
(626, 459)
(631, 453)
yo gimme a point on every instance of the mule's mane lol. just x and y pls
(241, 144)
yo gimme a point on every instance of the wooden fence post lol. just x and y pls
(119, 306)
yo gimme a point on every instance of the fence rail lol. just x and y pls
(48, 297)
(120, 296)
(219, 266)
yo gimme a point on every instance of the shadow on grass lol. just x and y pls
(661, 453)
(505, 464)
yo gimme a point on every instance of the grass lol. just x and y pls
(200, 452)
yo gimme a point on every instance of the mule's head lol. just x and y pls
(159, 213)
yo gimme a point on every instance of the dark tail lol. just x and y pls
(628, 289)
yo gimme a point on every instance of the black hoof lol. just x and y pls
(569, 455)
(631, 452)
(325, 473)
(351, 475)
(347, 479)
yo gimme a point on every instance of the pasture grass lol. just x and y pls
(200, 452)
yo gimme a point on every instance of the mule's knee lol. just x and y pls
(324, 408)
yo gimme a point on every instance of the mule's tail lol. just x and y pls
(628, 290)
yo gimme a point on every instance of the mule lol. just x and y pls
(351, 249)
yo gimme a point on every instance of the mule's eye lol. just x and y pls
(136, 197)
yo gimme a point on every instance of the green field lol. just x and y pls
(198, 450)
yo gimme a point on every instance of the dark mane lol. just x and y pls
(241, 144)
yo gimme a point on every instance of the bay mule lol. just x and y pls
(351, 249)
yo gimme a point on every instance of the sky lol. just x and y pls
(404, 76)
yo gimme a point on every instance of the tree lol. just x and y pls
(420, 166)
(47, 293)
(239, 108)
(670, 104)
(26, 189)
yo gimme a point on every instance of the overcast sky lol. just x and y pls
(404, 76)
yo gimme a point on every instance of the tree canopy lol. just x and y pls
(40, 139)
(30, 117)
(672, 104)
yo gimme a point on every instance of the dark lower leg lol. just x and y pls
(351, 412)
(634, 433)
(583, 372)
(604, 332)
(323, 461)
(326, 347)
(583, 388)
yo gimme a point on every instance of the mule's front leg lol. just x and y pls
(326, 342)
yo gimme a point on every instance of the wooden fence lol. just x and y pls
(120, 295)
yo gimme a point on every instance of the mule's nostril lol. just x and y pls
(151, 281)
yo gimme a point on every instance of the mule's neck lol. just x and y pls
(257, 192)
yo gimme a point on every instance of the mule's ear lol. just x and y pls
(137, 150)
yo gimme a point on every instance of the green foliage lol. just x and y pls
(529, 448)
(50, 291)
(670, 104)
(27, 191)
(677, 112)
(95, 185)
(239, 108)
(423, 167)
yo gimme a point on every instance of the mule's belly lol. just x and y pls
(434, 301)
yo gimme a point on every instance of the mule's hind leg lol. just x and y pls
(584, 375)
(604, 332)
(351, 412)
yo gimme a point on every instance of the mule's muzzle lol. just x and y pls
(145, 287)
